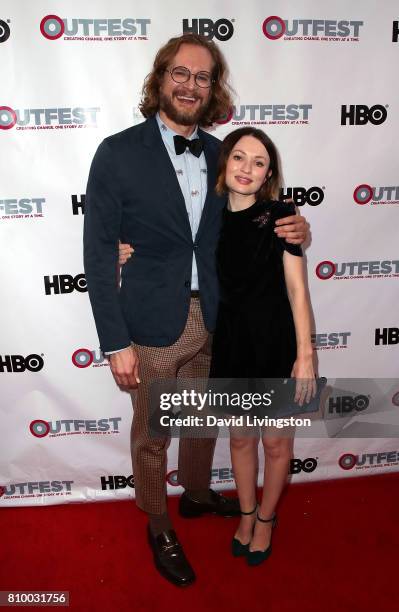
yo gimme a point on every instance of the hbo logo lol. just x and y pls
(222, 29)
(4, 31)
(312, 196)
(18, 363)
(346, 403)
(65, 283)
(387, 335)
(117, 482)
(307, 465)
(361, 114)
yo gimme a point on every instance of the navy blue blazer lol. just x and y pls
(133, 195)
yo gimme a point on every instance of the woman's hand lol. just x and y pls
(125, 252)
(304, 373)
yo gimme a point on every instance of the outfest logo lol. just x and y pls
(366, 194)
(326, 270)
(22, 208)
(54, 27)
(172, 478)
(267, 114)
(348, 461)
(68, 427)
(222, 475)
(38, 488)
(330, 340)
(326, 30)
(48, 118)
(84, 358)
(218, 476)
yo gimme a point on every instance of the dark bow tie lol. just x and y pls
(194, 146)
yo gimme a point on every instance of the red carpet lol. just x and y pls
(334, 549)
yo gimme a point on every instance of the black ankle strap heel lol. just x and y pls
(273, 519)
(256, 557)
(238, 549)
(248, 513)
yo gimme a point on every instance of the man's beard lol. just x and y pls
(181, 117)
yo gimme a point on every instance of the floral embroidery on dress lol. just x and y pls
(263, 219)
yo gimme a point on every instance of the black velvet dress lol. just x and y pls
(255, 333)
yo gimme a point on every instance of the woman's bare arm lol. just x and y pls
(303, 369)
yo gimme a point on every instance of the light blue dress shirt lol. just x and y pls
(191, 173)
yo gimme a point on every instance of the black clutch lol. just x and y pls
(283, 404)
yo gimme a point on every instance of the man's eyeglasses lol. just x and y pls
(181, 74)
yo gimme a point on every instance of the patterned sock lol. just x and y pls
(159, 523)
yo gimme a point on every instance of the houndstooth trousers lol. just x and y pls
(188, 357)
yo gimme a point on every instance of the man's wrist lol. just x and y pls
(108, 353)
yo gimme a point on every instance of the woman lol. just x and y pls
(263, 326)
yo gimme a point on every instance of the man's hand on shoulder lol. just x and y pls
(125, 368)
(295, 228)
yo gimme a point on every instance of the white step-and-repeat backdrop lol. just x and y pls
(321, 80)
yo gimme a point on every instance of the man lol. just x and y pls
(153, 185)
